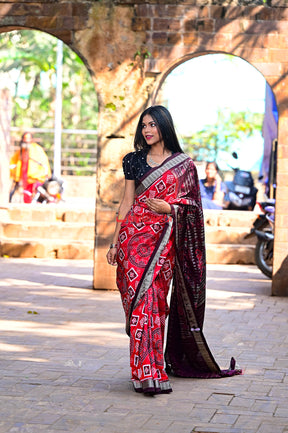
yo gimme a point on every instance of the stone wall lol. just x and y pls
(115, 38)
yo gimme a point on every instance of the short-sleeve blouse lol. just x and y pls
(135, 165)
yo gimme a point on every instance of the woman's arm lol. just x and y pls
(125, 206)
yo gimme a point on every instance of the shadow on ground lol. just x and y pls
(79, 274)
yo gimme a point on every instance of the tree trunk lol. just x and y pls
(5, 123)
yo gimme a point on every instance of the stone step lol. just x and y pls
(48, 213)
(228, 235)
(60, 232)
(46, 230)
(229, 218)
(85, 230)
(54, 248)
(62, 212)
(80, 250)
(230, 254)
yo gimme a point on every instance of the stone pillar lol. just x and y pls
(5, 121)
(280, 260)
(119, 111)
(115, 140)
(123, 91)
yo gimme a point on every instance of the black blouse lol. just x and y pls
(135, 165)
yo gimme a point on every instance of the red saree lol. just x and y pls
(153, 248)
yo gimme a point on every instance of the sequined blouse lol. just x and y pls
(135, 165)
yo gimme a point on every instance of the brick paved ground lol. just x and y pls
(65, 366)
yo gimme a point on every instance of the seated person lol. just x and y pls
(29, 167)
(212, 188)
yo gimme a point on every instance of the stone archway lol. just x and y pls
(126, 46)
(31, 78)
(200, 88)
(37, 242)
(187, 94)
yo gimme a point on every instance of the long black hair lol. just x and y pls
(165, 127)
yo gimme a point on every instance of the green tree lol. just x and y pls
(229, 128)
(29, 58)
(27, 64)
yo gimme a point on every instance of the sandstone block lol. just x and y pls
(228, 254)
(104, 274)
(174, 38)
(228, 235)
(31, 213)
(73, 216)
(68, 231)
(205, 25)
(24, 249)
(56, 249)
(159, 38)
(190, 38)
(75, 251)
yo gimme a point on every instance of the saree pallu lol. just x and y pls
(153, 248)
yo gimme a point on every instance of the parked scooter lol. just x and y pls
(263, 228)
(241, 192)
(50, 191)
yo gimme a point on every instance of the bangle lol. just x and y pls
(113, 246)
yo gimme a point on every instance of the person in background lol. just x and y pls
(159, 235)
(29, 167)
(212, 188)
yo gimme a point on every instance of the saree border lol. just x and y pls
(152, 386)
(193, 324)
(149, 178)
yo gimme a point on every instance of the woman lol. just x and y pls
(160, 234)
(212, 188)
(29, 167)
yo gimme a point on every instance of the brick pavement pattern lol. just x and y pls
(64, 356)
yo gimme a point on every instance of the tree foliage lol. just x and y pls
(28, 68)
(229, 128)
(29, 59)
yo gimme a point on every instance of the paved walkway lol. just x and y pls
(65, 362)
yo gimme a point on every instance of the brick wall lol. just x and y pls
(108, 36)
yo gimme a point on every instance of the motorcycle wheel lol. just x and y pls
(264, 256)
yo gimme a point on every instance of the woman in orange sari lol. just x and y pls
(159, 235)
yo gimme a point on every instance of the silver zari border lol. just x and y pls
(150, 384)
(152, 177)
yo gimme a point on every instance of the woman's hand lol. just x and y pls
(218, 182)
(158, 205)
(111, 256)
(218, 195)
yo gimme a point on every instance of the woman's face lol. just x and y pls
(211, 171)
(150, 130)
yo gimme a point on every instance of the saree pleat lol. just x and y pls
(153, 248)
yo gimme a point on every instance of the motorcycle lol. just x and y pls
(241, 192)
(263, 228)
(49, 192)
